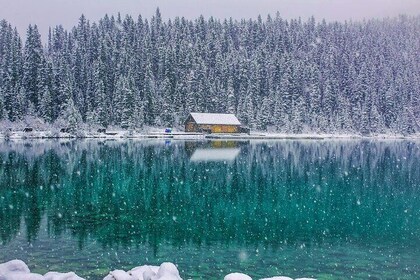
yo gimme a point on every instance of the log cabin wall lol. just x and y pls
(216, 128)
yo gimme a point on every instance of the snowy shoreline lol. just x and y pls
(18, 270)
(125, 134)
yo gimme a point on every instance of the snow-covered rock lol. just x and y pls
(139, 271)
(285, 278)
(22, 276)
(119, 275)
(237, 276)
(62, 276)
(149, 275)
(167, 271)
(13, 266)
(277, 278)
(17, 270)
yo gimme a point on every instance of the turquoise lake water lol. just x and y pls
(345, 209)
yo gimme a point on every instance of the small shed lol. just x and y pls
(212, 123)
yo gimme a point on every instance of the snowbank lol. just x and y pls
(130, 134)
(237, 276)
(35, 128)
(241, 276)
(18, 270)
(166, 271)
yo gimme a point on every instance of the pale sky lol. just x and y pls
(45, 13)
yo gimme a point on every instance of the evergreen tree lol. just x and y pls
(71, 116)
(127, 107)
(33, 57)
(3, 112)
(230, 99)
(46, 105)
(101, 112)
(287, 74)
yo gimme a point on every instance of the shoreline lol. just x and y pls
(178, 135)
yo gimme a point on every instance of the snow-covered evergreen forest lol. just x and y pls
(275, 74)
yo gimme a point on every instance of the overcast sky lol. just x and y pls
(45, 13)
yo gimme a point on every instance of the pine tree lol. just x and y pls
(33, 57)
(389, 106)
(71, 116)
(230, 100)
(167, 103)
(3, 112)
(46, 105)
(263, 115)
(101, 111)
(313, 91)
(127, 98)
(149, 91)
(21, 104)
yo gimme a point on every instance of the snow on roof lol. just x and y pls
(224, 154)
(210, 118)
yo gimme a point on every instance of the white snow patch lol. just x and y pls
(22, 276)
(13, 266)
(140, 271)
(166, 271)
(277, 278)
(18, 270)
(237, 276)
(119, 275)
(62, 276)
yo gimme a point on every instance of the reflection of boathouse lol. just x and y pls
(212, 123)
(225, 154)
(218, 150)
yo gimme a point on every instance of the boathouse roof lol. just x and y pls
(213, 118)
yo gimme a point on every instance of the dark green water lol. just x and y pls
(323, 209)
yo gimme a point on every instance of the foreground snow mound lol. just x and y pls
(119, 275)
(140, 271)
(18, 270)
(166, 271)
(62, 276)
(285, 278)
(237, 276)
(13, 266)
(277, 278)
(21, 276)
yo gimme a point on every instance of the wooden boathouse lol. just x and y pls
(212, 123)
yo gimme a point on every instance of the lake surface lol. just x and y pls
(324, 209)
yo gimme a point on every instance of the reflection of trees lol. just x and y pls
(128, 193)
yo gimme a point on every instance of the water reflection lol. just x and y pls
(226, 154)
(217, 150)
(245, 195)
